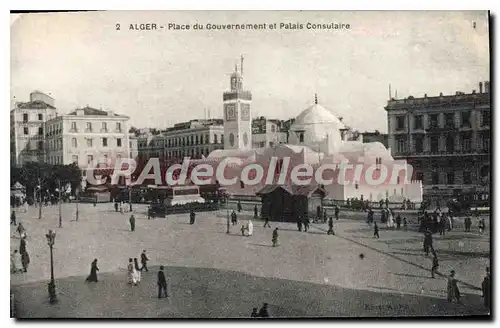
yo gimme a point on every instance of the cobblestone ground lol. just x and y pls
(213, 274)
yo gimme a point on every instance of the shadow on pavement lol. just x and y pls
(212, 293)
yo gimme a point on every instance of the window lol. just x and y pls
(191, 138)
(449, 120)
(89, 142)
(419, 176)
(25, 118)
(221, 138)
(465, 119)
(419, 144)
(105, 142)
(118, 142)
(74, 159)
(271, 144)
(215, 138)
(485, 140)
(197, 139)
(400, 123)
(26, 131)
(435, 178)
(104, 127)
(40, 145)
(74, 143)
(106, 159)
(301, 137)
(467, 177)
(356, 186)
(40, 117)
(400, 145)
(40, 131)
(242, 185)
(273, 128)
(118, 127)
(201, 139)
(418, 122)
(450, 143)
(466, 143)
(73, 126)
(434, 144)
(89, 126)
(450, 178)
(433, 121)
(485, 118)
(118, 157)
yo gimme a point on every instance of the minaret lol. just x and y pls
(237, 113)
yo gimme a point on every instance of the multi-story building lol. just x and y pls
(85, 135)
(27, 126)
(268, 132)
(133, 145)
(446, 139)
(194, 139)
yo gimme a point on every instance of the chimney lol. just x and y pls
(440, 94)
(425, 95)
(474, 91)
(487, 87)
(480, 87)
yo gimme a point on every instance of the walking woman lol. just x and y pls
(137, 271)
(93, 272)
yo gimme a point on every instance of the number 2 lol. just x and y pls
(117, 27)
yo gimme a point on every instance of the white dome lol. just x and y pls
(317, 114)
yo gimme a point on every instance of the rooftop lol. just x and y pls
(89, 111)
(37, 104)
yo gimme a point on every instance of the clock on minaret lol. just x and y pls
(231, 112)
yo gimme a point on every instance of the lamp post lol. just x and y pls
(51, 238)
(77, 195)
(60, 205)
(39, 199)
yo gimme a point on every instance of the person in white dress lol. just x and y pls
(15, 262)
(131, 276)
(250, 228)
(137, 270)
(390, 219)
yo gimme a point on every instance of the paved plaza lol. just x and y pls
(212, 274)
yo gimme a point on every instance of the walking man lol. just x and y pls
(337, 210)
(486, 287)
(306, 223)
(144, 261)
(162, 283)
(435, 265)
(266, 222)
(452, 288)
(132, 222)
(116, 206)
(234, 218)
(25, 260)
(330, 227)
(375, 230)
(192, 217)
(275, 237)
(255, 212)
(239, 206)
(13, 218)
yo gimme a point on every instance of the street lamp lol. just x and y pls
(60, 205)
(39, 187)
(77, 195)
(51, 238)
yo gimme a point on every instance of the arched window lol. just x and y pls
(301, 137)
(215, 139)
(201, 139)
(197, 140)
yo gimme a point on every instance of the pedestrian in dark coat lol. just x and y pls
(25, 260)
(22, 246)
(234, 218)
(144, 261)
(132, 222)
(13, 218)
(453, 293)
(306, 223)
(239, 207)
(486, 288)
(398, 221)
(116, 207)
(375, 230)
(435, 265)
(266, 222)
(405, 224)
(93, 272)
(254, 314)
(275, 237)
(299, 223)
(162, 283)
(337, 210)
(255, 212)
(330, 227)
(264, 311)
(192, 217)
(428, 242)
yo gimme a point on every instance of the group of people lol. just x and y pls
(134, 270)
(248, 229)
(19, 259)
(262, 313)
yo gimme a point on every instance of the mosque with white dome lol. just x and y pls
(315, 139)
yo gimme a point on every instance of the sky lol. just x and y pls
(162, 77)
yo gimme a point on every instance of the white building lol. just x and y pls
(267, 132)
(87, 134)
(27, 128)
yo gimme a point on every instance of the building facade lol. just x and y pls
(375, 136)
(27, 128)
(85, 135)
(446, 139)
(268, 132)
